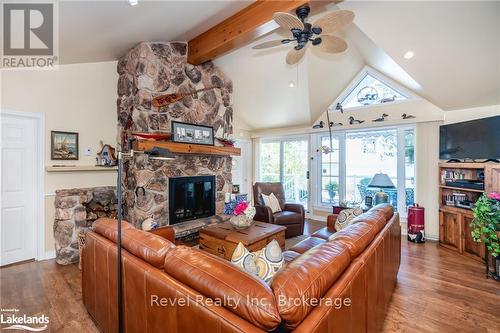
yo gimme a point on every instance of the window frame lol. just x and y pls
(316, 182)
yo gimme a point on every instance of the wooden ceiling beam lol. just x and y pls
(248, 24)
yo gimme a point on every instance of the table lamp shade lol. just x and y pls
(381, 180)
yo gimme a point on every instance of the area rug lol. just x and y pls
(291, 242)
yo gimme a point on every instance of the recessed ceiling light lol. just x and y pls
(133, 2)
(291, 84)
(408, 55)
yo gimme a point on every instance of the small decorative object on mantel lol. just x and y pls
(191, 133)
(164, 100)
(63, 145)
(226, 142)
(243, 215)
(236, 189)
(353, 121)
(339, 107)
(407, 116)
(106, 157)
(333, 124)
(382, 118)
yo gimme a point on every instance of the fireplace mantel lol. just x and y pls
(187, 148)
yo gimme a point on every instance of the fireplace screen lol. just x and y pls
(191, 198)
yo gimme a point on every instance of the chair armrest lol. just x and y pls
(263, 214)
(330, 222)
(167, 232)
(297, 208)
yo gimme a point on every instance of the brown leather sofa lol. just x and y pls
(338, 285)
(292, 216)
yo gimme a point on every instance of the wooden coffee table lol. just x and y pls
(221, 239)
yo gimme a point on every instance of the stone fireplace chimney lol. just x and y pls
(150, 69)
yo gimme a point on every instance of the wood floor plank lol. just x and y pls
(437, 291)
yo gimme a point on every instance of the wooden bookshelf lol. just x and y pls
(454, 230)
(187, 148)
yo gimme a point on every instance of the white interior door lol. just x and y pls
(242, 167)
(18, 204)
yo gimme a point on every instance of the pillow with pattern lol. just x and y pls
(272, 202)
(346, 216)
(264, 263)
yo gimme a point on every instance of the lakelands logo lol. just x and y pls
(11, 320)
(29, 35)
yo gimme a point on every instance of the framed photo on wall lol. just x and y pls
(191, 133)
(63, 145)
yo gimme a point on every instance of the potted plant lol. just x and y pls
(332, 188)
(486, 222)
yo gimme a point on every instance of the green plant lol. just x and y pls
(332, 188)
(486, 222)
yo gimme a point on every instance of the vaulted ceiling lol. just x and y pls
(456, 46)
(456, 63)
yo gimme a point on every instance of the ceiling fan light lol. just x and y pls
(133, 2)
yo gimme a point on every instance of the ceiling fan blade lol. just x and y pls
(288, 21)
(334, 21)
(293, 56)
(332, 44)
(265, 45)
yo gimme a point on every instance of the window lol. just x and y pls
(368, 153)
(286, 161)
(329, 170)
(357, 156)
(369, 91)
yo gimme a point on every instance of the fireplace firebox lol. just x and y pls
(191, 198)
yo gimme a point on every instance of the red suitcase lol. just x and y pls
(416, 224)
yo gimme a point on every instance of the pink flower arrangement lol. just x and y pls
(494, 195)
(240, 208)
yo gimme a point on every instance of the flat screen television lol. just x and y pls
(476, 139)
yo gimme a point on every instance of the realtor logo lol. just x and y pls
(28, 35)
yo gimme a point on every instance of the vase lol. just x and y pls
(240, 222)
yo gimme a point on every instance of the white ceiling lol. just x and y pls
(94, 31)
(456, 46)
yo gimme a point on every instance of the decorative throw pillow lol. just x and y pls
(272, 202)
(244, 259)
(345, 217)
(264, 263)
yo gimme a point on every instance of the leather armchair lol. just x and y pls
(292, 215)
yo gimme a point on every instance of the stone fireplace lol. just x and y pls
(150, 69)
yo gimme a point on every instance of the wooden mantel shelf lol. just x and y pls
(187, 148)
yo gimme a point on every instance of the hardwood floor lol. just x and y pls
(438, 291)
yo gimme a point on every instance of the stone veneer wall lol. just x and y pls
(150, 69)
(77, 209)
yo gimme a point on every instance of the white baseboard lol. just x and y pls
(316, 218)
(48, 255)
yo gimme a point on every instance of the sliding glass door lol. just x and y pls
(286, 160)
(355, 157)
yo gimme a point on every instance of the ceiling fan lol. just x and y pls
(316, 33)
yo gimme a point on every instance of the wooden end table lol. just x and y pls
(221, 239)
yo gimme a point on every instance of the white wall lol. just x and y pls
(77, 98)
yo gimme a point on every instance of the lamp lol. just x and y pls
(154, 154)
(381, 181)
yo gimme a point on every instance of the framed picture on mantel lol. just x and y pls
(191, 133)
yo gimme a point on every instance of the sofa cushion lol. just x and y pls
(307, 279)
(108, 228)
(263, 263)
(287, 217)
(213, 277)
(307, 244)
(290, 256)
(147, 246)
(323, 233)
(356, 237)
